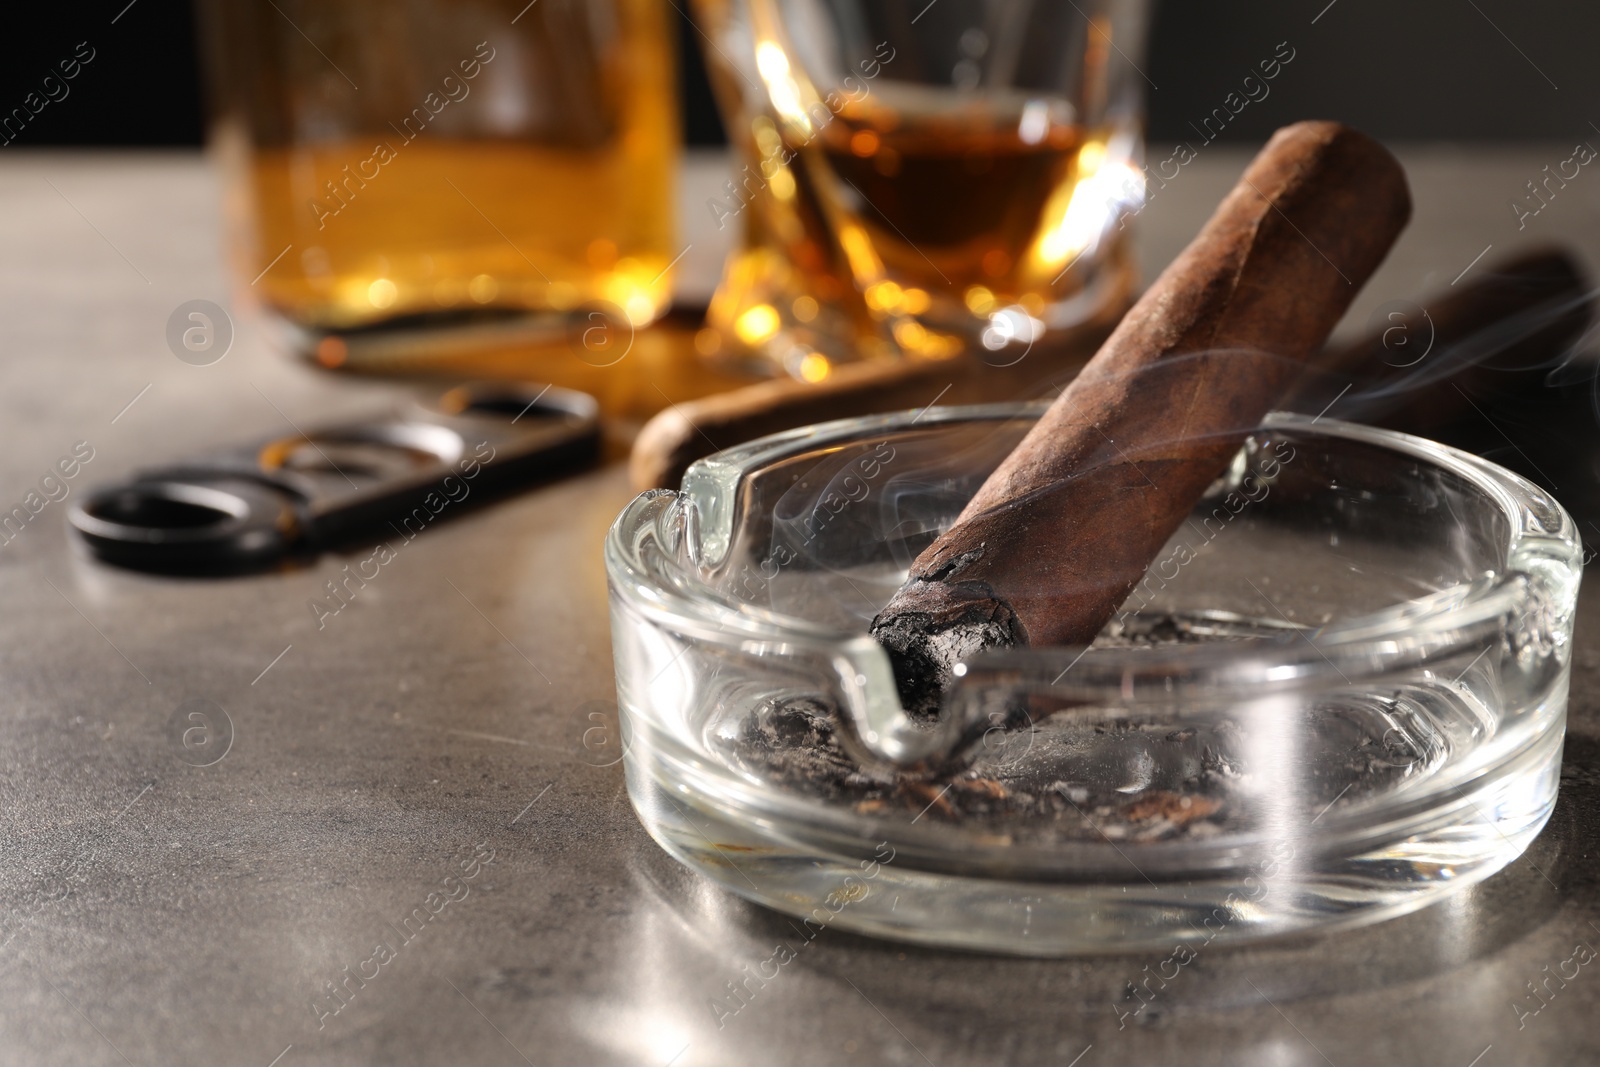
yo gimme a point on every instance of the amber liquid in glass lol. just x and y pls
(910, 230)
(971, 204)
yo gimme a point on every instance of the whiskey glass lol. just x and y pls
(922, 180)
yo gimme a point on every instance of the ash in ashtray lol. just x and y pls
(1069, 777)
(1013, 791)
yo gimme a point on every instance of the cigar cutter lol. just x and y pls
(253, 507)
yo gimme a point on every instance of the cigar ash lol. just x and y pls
(1066, 779)
(926, 644)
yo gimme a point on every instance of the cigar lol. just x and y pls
(1064, 528)
(683, 433)
(1487, 338)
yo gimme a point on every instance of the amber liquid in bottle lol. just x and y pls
(541, 183)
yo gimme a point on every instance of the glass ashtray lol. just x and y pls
(1339, 692)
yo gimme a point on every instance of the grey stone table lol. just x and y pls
(424, 750)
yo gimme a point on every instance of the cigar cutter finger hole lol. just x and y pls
(188, 522)
(364, 455)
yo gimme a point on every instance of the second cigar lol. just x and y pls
(1056, 537)
(1491, 335)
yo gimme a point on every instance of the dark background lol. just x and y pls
(1407, 70)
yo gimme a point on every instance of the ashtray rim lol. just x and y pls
(714, 479)
(1365, 643)
(1538, 526)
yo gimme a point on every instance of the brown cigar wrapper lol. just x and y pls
(1060, 533)
(1486, 338)
(694, 429)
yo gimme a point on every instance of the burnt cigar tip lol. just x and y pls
(924, 646)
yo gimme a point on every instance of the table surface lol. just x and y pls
(156, 912)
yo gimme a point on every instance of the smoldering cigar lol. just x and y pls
(1057, 536)
(836, 522)
(861, 500)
